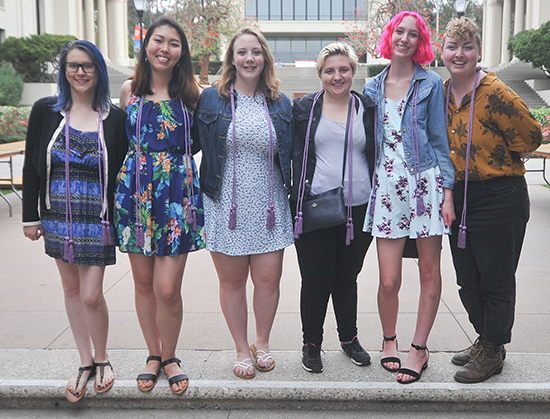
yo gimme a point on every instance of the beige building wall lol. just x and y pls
(103, 22)
(504, 18)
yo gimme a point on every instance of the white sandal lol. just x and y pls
(263, 358)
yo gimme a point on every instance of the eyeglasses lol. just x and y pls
(88, 68)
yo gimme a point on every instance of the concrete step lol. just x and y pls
(36, 379)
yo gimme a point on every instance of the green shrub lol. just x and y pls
(31, 55)
(11, 86)
(543, 116)
(13, 123)
(375, 69)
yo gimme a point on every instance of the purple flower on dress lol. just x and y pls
(401, 188)
(385, 227)
(428, 208)
(421, 187)
(404, 223)
(401, 107)
(439, 182)
(423, 233)
(386, 119)
(388, 165)
(385, 201)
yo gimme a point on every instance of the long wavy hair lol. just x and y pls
(424, 52)
(268, 84)
(182, 85)
(64, 100)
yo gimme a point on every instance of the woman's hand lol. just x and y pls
(33, 232)
(448, 207)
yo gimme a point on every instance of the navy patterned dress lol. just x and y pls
(167, 175)
(85, 202)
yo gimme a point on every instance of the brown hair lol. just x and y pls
(182, 85)
(268, 84)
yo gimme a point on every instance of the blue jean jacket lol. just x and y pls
(431, 125)
(212, 119)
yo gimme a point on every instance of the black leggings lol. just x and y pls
(329, 267)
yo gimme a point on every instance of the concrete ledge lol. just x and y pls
(343, 386)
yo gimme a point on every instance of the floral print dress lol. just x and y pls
(394, 193)
(168, 181)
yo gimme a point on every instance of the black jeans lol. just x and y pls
(496, 218)
(329, 267)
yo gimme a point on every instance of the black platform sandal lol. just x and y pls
(412, 373)
(149, 376)
(388, 359)
(176, 378)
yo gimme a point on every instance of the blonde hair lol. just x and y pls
(268, 84)
(336, 48)
(462, 29)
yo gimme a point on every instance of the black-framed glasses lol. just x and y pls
(88, 68)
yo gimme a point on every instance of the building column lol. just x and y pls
(117, 12)
(492, 26)
(102, 28)
(506, 30)
(520, 16)
(89, 23)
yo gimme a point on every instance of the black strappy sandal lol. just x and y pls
(388, 359)
(150, 376)
(412, 373)
(176, 378)
(102, 366)
(73, 398)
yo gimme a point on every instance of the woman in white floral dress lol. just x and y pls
(412, 192)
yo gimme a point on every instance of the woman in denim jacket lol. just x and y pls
(412, 191)
(244, 126)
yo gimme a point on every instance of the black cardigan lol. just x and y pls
(43, 122)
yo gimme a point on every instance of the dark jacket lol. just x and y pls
(212, 119)
(44, 127)
(301, 109)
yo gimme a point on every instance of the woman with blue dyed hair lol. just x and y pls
(75, 146)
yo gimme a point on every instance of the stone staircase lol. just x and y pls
(117, 75)
(514, 75)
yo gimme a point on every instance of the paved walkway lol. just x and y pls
(33, 319)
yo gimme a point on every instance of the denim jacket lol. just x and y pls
(212, 120)
(430, 123)
(301, 110)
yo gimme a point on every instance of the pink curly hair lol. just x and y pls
(424, 52)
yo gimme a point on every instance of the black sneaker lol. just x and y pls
(311, 358)
(356, 352)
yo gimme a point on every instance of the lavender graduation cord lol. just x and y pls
(462, 227)
(270, 222)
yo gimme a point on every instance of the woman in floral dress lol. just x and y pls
(165, 222)
(412, 191)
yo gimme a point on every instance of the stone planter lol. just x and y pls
(34, 91)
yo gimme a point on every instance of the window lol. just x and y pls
(301, 9)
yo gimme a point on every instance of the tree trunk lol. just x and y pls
(205, 62)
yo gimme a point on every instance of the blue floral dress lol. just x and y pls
(167, 175)
(395, 196)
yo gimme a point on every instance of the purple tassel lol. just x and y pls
(462, 237)
(349, 231)
(233, 217)
(192, 216)
(140, 237)
(270, 217)
(69, 250)
(106, 232)
(298, 225)
(420, 207)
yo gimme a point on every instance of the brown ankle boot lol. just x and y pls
(463, 357)
(484, 363)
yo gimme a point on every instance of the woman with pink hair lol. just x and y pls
(414, 177)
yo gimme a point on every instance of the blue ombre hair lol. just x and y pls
(102, 98)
